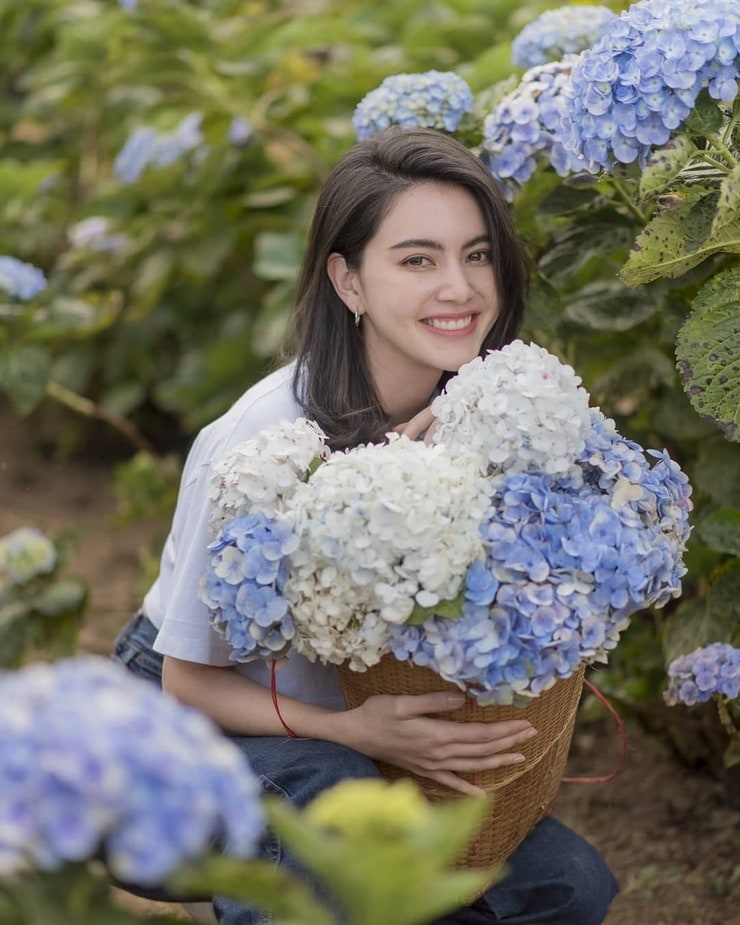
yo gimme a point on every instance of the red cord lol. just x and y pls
(622, 734)
(273, 692)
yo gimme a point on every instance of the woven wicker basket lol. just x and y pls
(523, 794)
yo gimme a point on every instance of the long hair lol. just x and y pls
(332, 381)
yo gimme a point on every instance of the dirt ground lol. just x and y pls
(669, 833)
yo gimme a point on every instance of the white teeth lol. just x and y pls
(450, 324)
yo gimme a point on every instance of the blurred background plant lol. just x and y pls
(40, 605)
(159, 162)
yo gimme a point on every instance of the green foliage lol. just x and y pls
(379, 849)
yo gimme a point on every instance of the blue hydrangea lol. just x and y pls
(243, 587)
(95, 762)
(434, 99)
(21, 280)
(568, 561)
(525, 126)
(556, 33)
(148, 148)
(710, 671)
(637, 85)
(240, 131)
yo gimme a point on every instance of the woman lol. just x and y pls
(412, 269)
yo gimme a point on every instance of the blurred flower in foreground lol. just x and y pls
(21, 280)
(94, 761)
(147, 147)
(556, 33)
(434, 99)
(525, 126)
(705, 672)
(638, 84)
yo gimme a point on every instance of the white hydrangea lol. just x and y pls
(520, 409)
(260, 474)
(381, 529)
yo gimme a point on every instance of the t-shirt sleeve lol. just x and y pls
(173, 603)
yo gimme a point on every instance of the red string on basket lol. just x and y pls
(273, 692)
(622, 734)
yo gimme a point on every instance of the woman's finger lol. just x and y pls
(419, 424)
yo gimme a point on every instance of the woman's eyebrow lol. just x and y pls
(429, 244)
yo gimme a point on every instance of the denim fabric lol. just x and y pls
(555, 877)
(133, 648)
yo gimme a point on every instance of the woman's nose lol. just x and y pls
(455, 285)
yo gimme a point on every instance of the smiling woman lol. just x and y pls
(426, 304)
(412, 269)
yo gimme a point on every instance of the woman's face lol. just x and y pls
(425, 292)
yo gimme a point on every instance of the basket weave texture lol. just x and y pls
(522, 794)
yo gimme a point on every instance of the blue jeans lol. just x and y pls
(555, 877)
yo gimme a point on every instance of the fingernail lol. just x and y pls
(530, 733)
(517, 759)
(456, 700)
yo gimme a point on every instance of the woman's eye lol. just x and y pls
(417, 261)
(480, 257)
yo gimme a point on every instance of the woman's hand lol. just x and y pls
(404, 731)
(422, 423)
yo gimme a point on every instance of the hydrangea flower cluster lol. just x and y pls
(525, 126)
(262, 473)
(24, 555)
(382, 529)
(502, 556)
(243, 588)
(77, 783)
(93, 233)
(146, 147)
(519, 409)
(638, 83)
(557, 33)
(433, 99)
(21, 280)
(569, 559)
(709, 671)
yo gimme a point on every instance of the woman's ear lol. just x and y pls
(344, 281)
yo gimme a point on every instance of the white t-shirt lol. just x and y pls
(173, 604)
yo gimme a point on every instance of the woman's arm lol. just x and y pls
(401, 730)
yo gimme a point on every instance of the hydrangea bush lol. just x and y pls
(39, 606)
(502, 556)
(95, 762)
(525, 127)
(20, 280)
(560, 32)
(709, 671)
(434, 99)
(637, 85)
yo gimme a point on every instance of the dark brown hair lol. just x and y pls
(331, 380)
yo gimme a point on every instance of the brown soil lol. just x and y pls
(669, 833)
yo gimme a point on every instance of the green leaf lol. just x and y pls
(717, 471)
(258, 883)
(708, 352)
(728, 201)
(706, 117)
(277, 255)
(24, 371)
(610, 306)
(678, 239)
(665, 164)
(450, 610)
(720, 530)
